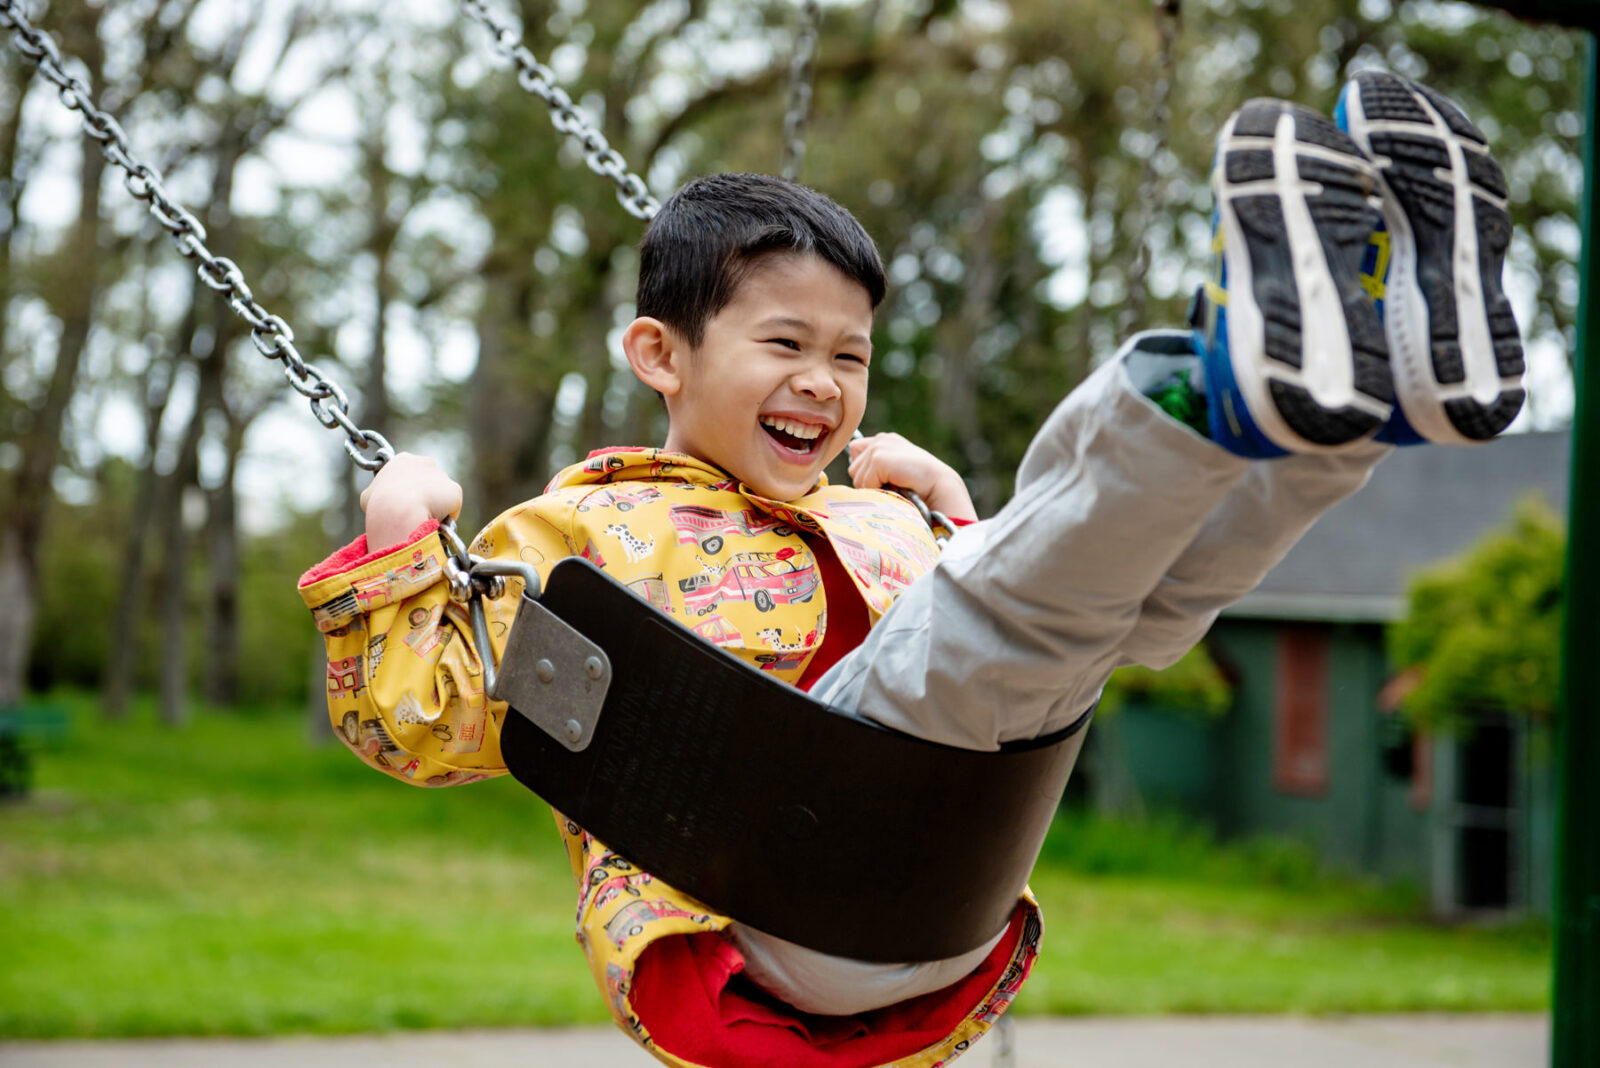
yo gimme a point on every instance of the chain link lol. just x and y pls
(272, 336)
(802, 69)
(540, 80)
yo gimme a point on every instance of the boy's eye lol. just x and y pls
(862, 360)
(788, 343)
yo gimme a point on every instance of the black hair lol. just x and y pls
(709, 235)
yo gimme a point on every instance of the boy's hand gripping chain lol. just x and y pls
(939, 524)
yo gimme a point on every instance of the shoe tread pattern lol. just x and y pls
(1485, 173)
(1343, 218)
(1453, 116)
(1388, 99)
(1249, 165)
(1412, 162)
(1494, 237)
(1323, 426)
(1481, 422)
(1272, 270)
(1258, 118)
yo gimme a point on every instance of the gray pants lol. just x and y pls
(1127, 535)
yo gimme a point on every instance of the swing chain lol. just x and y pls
(1169, 14)
(802, 70)
(939, 524)
(472, 579)
(270, 334)
(462, 569)
(540, 80)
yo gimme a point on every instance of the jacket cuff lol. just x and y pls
(353, 581)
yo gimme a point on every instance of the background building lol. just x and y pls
(1312, 747)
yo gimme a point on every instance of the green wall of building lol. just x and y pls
(1366, 818)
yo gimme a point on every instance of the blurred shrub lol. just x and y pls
(1167, 844)
(81, 564)
(1194, 685)
(1483, 631)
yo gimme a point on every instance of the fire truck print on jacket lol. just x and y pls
(405, 688)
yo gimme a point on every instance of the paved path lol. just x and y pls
(1095, 1042)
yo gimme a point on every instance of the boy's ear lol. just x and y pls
(656, 354)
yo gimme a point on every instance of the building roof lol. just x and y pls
(1422, 504)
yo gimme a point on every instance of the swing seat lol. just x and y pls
(712, 775)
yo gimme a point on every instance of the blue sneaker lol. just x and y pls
(1294, 352)
(1452, 335)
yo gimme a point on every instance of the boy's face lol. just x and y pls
(779, 382)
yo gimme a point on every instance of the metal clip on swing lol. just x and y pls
(560, 675)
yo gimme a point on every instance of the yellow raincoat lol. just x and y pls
(405, 687)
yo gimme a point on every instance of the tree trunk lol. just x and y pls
(222, 567)
(30, 494)
(174, 611)
(512, 405)
(319, 728)
(171, 521)
(12, 177)
(18, 592)
(174, 577)
(220, 665)
(957, 404)
(124, 637)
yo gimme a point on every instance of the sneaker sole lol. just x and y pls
(1306, 348)
(1453, 337)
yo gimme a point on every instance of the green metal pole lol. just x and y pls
(1576, 1016)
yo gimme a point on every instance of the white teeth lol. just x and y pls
(789, 426)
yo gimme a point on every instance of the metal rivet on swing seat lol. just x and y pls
(553, 676)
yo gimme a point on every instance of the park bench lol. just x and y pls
(23, 727)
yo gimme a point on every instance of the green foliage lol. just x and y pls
(1482, 631)
(77, 595)
(1166, 844)
(1194, 685)
(275, 627)
(81, 568)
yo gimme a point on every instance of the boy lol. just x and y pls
(1130, 529)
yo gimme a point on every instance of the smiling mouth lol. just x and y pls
(800, 438)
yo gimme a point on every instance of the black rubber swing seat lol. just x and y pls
(765, 804)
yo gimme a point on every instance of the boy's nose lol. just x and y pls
(817, 381)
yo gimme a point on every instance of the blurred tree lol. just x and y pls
(454, 254)
(1482, 632)
(67, 280)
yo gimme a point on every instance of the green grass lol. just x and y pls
(229, 879)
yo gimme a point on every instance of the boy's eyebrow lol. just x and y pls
(793, 322)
